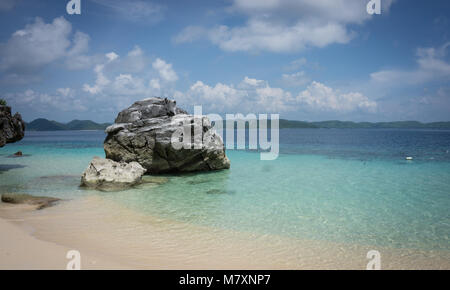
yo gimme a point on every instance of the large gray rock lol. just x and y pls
(12, 128)
(105, 174)
(144, 133)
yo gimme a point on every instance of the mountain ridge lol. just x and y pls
(42, 124)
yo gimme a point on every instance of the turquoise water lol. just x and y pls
(351, 186)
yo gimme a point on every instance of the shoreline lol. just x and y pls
(123, 239)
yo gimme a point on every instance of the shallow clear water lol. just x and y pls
(351, 186)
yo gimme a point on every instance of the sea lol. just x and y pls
(330, 185)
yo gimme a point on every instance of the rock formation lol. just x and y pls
(144, 133)
(40, 202)
(105, 174)
(12, 128)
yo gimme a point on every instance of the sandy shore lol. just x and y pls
(20, 250)
(110, 236)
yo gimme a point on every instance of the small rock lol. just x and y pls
(106, 174)
(40, 201)
(18, 153)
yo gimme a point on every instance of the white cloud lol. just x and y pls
(165, 70)
(121, 70)
(111, 56)
(295, 79)
(319, 97)
(285, 25)
(220, 98)
(296, 64)
(30, 49)
(252, 82)
(262, 35)
(134, 62)
(76, 57)
(122, 80)
(36, 45)
(80, 44)
(155, 84)
(64, 99)
(129, 85)
(66, 92)
(431, 65)
(257, 96)
(101, 81)
(274, 100)
(250, 95)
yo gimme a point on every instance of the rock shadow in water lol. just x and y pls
(198, 181)
(18, 156)
(7, 167)
(159, 180)
(59, 177)
(220, 191)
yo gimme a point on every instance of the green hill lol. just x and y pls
(44, 125)
(47, 125)
(85, 125)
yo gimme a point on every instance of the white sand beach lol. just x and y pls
(20, 250)
(110, 236)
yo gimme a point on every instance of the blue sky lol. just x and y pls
(303, 59)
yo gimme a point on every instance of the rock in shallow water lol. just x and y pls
(144, 133)
(105, 174)
(160, 180)
(40, 202)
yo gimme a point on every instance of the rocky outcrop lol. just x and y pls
(12, 128)
(105, 174)
(145, 133)
(40, 202)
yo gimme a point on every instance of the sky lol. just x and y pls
(307, 60)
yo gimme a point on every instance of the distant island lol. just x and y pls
(364, 125)
(335, 124)
(47, 125)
